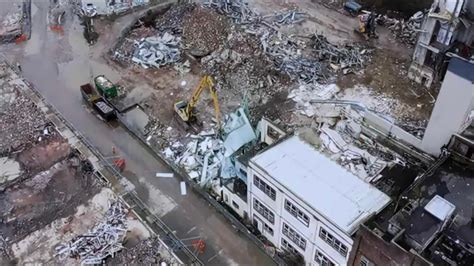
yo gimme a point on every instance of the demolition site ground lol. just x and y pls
(261, 63)
(267, 61)
(49, 194)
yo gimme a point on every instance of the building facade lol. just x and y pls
(305, 203)
(447, 31)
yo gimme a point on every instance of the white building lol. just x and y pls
(304, 202)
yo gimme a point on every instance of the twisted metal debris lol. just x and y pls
(238, 10)
(346, 57)
(285, 51)
(157, 51)
(102, 241)
(405, 31)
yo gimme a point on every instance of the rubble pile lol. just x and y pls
(240, 68)
(172, 19)
(11, 24)
(146, 252)
(201, 157)
(21, 123)
(237, 10)
(405, 31)
(102, 241)
(157, 51)
(289, 17)
(287, 52)
(204, 31)
(124, 52)
(347, 58)
(170, 22)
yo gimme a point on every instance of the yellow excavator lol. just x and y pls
(185, 109)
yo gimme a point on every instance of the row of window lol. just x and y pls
(294, 236)
(267, 189)
(333, 242)
(296, 212)
(264, 211)
(319, 257)
(322, 260)
(287, 246)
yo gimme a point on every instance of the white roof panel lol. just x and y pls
(327, 187)
(440, 208)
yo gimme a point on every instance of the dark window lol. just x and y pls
(268, 229)
(287, 246)
(322, 260)
(333, 242)
(267, 189)
(235, 205)
(294, 236)
(295, 211)
(264, 211)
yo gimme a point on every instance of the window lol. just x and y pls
(287, 246)
(294, 236)
(295, 211)
(365, 262)
(265, 226)
(333, 242)
(264, 211)
(322, 260)
(242, 171)
(260, 184)
(268, 229)
(235, 205)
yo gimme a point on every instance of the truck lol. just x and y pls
(96, 102)
(105, 87)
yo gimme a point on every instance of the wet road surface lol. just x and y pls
(57, 64)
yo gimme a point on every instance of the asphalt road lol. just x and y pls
(57, 64)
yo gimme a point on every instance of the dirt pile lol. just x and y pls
(204, 31)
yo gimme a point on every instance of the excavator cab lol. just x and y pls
(180, 109)
(185, 109)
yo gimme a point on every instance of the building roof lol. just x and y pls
(327, 187)
(440, 208)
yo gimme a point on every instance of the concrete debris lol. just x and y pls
(342, 148)
(240, 13)
(183, 68)
(345, 57)
(11, 25)
(21, 121)
(157, 51)
(405, 31)
(102, 241)
(146, 252)
(9, 169)
(303, 94)
(203, 155)
(289, 17)
(212, 33)
(166, 175)
(237, 10)
(182, 186)
(238, 132)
